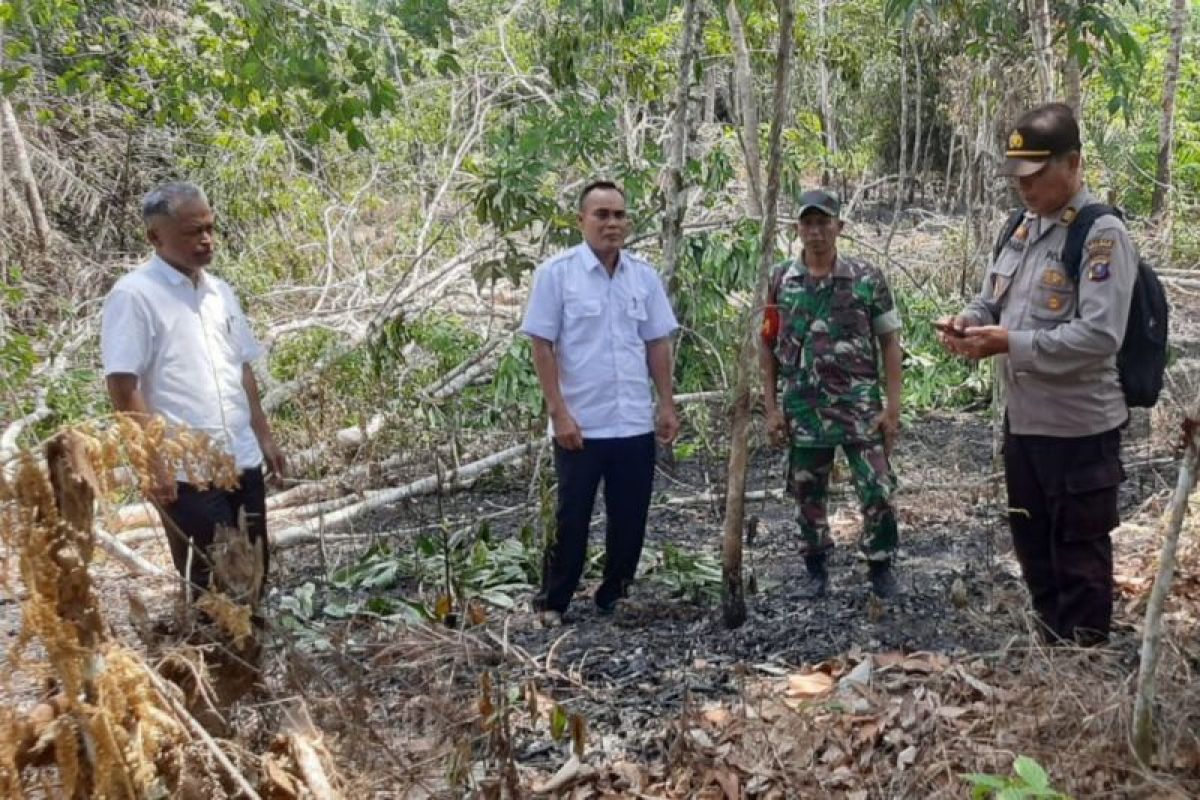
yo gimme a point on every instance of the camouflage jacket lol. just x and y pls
(827, 349)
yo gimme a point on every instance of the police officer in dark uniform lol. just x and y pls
(1057, 339)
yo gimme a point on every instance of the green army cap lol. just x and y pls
(1038, 136)
(818, 200)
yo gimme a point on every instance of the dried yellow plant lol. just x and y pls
(111, 729)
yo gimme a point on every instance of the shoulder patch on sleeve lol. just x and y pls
(1098, 270)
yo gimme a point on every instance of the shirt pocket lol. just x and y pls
(581, 323)
(635, 305)
(1000, 277)
(582, 306)
(1054, 297)
(848, 315)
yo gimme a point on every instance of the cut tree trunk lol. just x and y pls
(733, 597)
(1166, 123)
(743, 80)
(1152, 635)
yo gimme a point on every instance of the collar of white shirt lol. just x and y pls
(174, 276)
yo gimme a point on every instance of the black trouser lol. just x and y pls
(1062, 498)
(192, 519)
(627, 466)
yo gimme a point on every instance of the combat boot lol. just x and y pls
(817, 584)
(883, 581)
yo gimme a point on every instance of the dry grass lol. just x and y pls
(108, 725)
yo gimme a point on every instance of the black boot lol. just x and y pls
(883, 581)
(818, 576)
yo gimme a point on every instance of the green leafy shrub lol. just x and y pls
(1029, 780)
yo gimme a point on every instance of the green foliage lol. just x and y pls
(275, 67)
(716, 275)
(493, 572)
(934, 379)
(1029, 781)
(292, 357)
(515, 388)
(694, 576)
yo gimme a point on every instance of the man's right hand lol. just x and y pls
(950, 329)
(566, 431)
(777, 427)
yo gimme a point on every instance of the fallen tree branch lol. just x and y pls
(310, 530)
(466, 372)
(33, 197)
(197, 731)
(123, 553)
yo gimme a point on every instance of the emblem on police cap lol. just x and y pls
(1016, 141)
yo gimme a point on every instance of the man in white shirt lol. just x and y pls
(601, 326)
(175, 344)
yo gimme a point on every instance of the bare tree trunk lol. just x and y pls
(733, 598)
(947, 195)
(902, 162)
(743, 80)
(1143, 710)
(828, 122)
(1166, 124)
(1073, 86)
(33, 198)
(1039, 31)
(676, 196)
(710, 96)
(3, 179)
(916, 151)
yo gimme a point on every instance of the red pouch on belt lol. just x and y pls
(770, 324)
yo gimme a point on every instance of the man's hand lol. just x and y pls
(275, 462)
(888, 424)
(950, 329)
(566, 431)
(668, 423)
(981, 342)
(777, 427)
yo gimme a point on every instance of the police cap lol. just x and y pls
(1038, 136)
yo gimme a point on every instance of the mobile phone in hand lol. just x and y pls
(948, 329)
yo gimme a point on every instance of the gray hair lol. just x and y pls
(163, 200)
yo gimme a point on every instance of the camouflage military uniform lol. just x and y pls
(828, 356)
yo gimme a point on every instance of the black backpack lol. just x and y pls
(1142, 359)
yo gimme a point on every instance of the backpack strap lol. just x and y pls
(1077, 233)
(1010, 227)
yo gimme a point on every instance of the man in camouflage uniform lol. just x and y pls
(829, 319)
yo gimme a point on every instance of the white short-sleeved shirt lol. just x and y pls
(186, 344)
(599, 326)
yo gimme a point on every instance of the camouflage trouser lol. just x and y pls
(808, 479)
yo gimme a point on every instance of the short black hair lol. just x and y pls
(598, 185)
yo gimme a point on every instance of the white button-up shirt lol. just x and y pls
(599, 326)
(186, 344)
